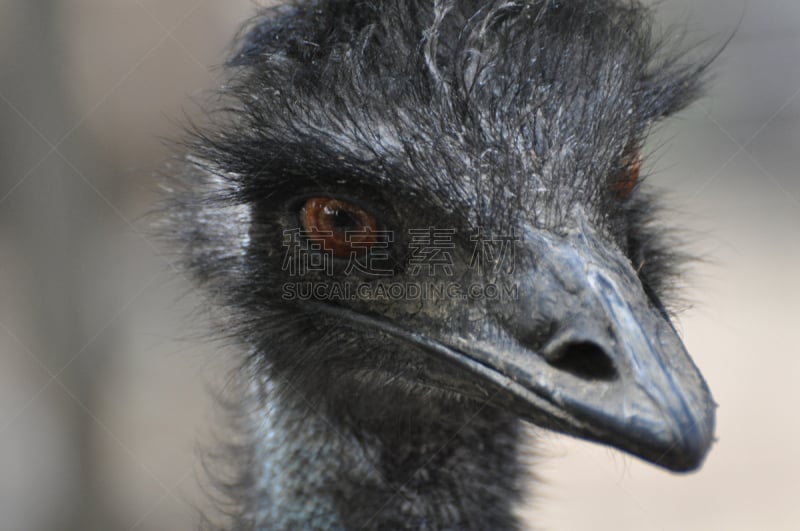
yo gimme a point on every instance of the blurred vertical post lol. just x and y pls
(44, 216)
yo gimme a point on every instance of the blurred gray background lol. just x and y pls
(103, 395)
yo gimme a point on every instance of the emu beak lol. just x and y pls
(583, 351)
(611, 367)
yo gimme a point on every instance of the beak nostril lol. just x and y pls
(584, 359)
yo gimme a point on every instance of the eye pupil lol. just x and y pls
(345, 220)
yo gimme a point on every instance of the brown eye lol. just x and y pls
(626, 179)
(341, 227)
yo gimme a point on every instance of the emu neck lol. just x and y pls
(426, 466)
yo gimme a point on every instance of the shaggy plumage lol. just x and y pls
(492, 117)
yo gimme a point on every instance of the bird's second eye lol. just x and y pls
(340, 227)
(626, 179)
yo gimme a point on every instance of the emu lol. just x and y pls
(370, 165)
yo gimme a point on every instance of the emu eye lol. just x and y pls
(626, 179)
(341, 227)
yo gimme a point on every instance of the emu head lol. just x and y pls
(462, 176)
